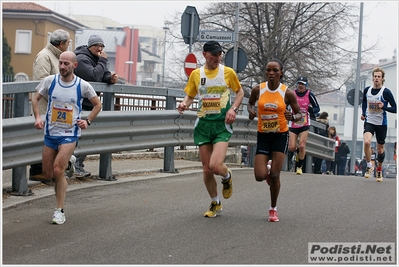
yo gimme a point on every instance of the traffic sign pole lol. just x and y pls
(235, 54)
(191, 32)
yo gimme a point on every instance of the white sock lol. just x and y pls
(369, 165)
(216, 199)
(227, 177)
(275, 208)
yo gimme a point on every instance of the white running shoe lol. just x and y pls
(58, 217)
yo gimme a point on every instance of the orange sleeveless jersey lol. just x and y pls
(271, 107)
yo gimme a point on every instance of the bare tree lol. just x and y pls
(304, 36)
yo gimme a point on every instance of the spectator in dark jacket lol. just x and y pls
(92, 67)
(363, 165)
(343, 151)
(323, 118)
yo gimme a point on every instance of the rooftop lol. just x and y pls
(24, 6)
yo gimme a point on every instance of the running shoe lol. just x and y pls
(82, 173)
(71, 167)
(58, 217)
(214, 208)
(369, 171)
(228, 186)
(299, 170)
(273, 216)
(379, 174)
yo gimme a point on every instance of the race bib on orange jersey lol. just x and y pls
(270, 123)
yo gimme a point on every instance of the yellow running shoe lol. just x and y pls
(228, 186)
(299, 170)
(369, 171)
(214, 208)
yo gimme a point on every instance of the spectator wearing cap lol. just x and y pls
(216, 114)
(46, 64)
(300, 129)
(92, 67)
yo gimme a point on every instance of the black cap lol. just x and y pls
(213, 47)
(302, 79)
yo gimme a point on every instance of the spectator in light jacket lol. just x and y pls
(46, 64)
(332, 134)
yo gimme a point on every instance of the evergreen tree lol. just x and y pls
(7, 68)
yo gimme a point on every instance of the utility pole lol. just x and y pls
(165, 28)
(357, 88)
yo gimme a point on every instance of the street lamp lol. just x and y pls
(165, 28)
(129, 71)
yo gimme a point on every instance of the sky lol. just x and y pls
(380, 21)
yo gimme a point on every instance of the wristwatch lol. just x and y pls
(88, 122)
(235, 109)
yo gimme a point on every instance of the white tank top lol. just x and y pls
(64, 107)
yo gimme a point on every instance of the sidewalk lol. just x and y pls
(125, 167)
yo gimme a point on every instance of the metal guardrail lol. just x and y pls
(115, 131)
(125, 130)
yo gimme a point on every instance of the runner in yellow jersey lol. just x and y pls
(213, 84)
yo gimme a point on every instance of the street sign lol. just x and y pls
(220, 36)
(242, 59)
(190, 64)
(189, 15)
(351, 97)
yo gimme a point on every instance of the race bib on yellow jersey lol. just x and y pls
(211, 103)
(62, 115)
(270, 123)
(374, 107)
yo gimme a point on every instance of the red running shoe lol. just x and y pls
(379, 174)
(273, 216)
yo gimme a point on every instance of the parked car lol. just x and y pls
(389, 171)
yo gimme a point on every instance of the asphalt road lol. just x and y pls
(160, 221)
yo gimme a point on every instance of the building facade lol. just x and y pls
(138, 59)
(27, 28)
